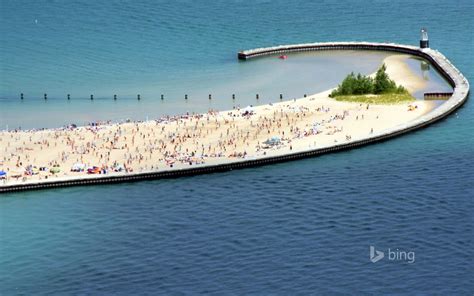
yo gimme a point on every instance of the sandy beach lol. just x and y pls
(178, 142)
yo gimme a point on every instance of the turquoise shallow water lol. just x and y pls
(304, 73)
(302, 227)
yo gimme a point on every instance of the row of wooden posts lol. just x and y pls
(257, 96)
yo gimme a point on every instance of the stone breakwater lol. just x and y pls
(455, 78)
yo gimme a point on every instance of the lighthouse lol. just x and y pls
(424, 42)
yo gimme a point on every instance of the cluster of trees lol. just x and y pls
(363, 85)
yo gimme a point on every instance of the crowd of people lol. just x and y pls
(173, 141)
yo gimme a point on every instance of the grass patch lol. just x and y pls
(365, 89)
(377, 99)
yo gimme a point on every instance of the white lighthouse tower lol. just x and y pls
(424, 42)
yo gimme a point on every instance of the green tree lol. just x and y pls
(361, 85)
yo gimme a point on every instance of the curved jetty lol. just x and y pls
(443, 65)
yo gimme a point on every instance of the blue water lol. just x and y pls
(301, 227)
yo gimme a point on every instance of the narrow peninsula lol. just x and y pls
(361, 110)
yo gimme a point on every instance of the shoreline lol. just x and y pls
(330, 134)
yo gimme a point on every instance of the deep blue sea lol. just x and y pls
(296, 228)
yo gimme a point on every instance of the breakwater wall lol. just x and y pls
(440, 62)
(437, 95)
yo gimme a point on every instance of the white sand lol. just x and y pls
(216, 137)
(400, 72)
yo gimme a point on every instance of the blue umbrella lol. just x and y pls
(3, 173)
